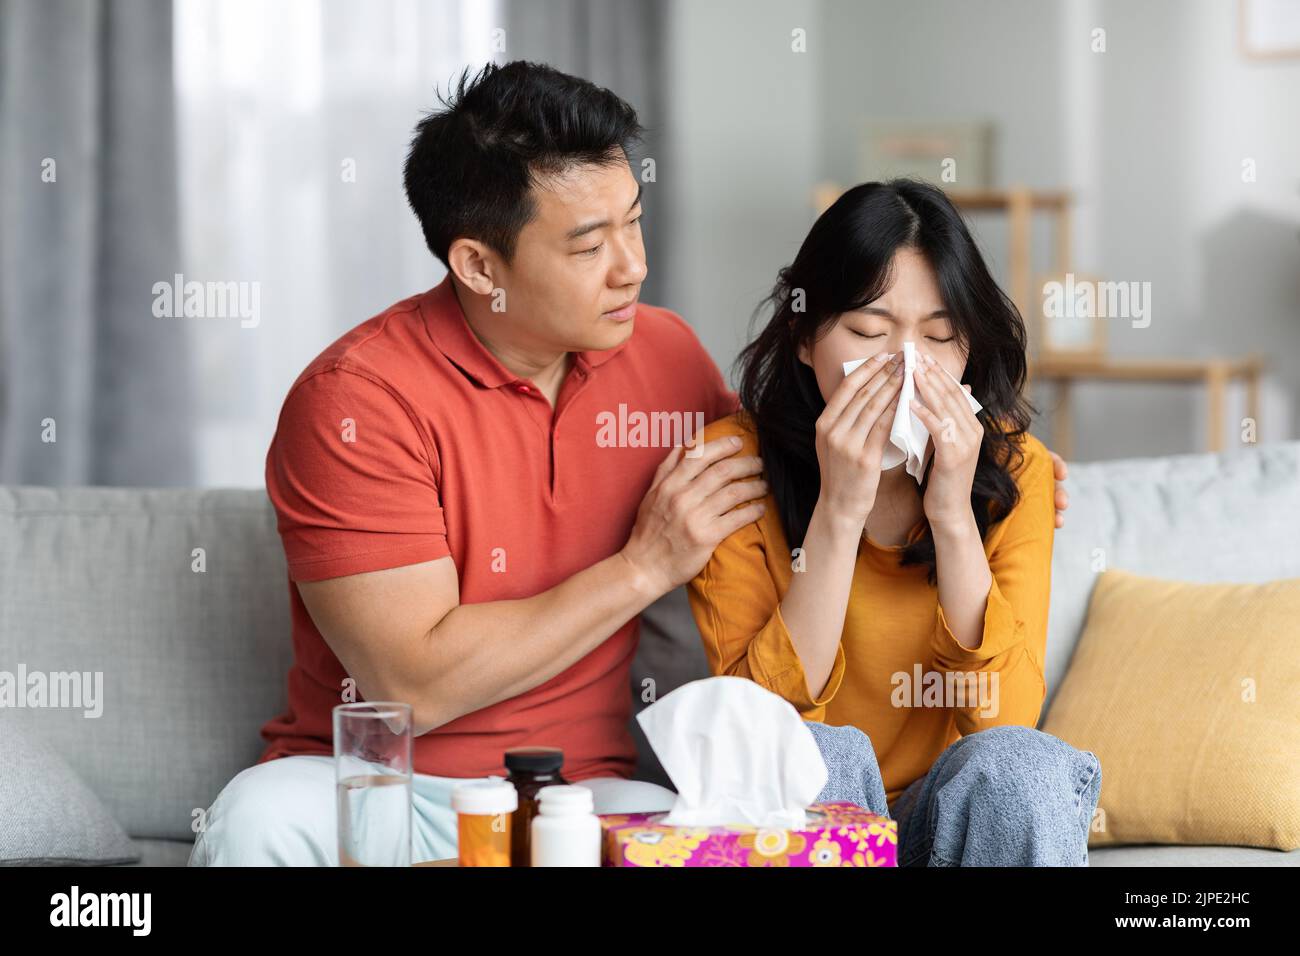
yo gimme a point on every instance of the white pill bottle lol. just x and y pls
(566, 831)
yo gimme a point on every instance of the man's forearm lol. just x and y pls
(479, 654)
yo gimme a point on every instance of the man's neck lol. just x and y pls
(545, 369)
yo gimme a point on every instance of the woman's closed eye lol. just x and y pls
(880, 335)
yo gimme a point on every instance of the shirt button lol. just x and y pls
(522, 388)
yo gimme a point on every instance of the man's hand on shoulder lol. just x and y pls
(1062, 498)
(693, 504)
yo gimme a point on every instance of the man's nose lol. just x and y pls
(630, 267)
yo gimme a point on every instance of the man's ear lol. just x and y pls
(473, 264)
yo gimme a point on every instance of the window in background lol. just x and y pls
(293, 120)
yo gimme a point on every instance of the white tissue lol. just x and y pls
(737, 754)
(908, 436)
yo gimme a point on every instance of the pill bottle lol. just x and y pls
(565, 831)
(531, 768)
(483, 819)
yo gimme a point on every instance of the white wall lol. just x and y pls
(743, 119)
(1178, 109)
(1150, 134)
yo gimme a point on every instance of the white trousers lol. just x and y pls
(284, 813)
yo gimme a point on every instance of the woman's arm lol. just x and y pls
(1011, 630)
(964, 578)
(792, 645)
(851, 435)
(737, 606)
(961, 565)
(991, 619)
(818, 597)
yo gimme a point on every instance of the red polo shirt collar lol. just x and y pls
(447, 327)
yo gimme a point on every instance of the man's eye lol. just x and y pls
(635, 221)
(589, 252)
(878, 335)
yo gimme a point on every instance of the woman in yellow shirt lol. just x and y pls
(915, 611)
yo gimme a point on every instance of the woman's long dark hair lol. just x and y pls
(843, 265)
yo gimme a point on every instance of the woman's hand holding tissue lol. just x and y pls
(851, 436)
(956, 435)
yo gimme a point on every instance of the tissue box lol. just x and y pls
(837, 834)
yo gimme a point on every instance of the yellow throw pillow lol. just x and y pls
(1189, 695)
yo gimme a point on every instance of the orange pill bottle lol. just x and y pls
(484, 809)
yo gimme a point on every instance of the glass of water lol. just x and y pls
(372, 765)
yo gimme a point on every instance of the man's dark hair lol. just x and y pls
(472, 164)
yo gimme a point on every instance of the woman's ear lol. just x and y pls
(804, 355)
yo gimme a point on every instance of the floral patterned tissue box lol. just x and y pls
(837, 834)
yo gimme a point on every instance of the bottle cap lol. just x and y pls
(485, 797)
(565, 799)
(535, 759)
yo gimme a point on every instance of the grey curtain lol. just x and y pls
(617, 44)
(88, 86)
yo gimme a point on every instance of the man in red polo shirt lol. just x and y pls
(478, 489)
(471, 516)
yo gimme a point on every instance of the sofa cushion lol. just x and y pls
(669, 655)
(163, 852)
(1187, 695)
(1151, 855)
(1200, 518)
(48, 816)
(192, 656)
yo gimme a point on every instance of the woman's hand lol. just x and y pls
(851, 436)
(956, 435)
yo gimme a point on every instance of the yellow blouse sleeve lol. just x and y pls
(738, 611)
(1014, 643)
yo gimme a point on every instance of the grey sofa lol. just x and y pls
(102, 579)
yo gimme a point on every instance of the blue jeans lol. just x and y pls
(1005, 796)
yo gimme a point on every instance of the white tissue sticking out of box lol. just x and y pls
(737, 754)
(908, 435)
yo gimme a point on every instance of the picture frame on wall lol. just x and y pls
(1268, 29)
(920, 150)
(1065, 331)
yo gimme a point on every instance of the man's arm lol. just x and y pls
(403, 634)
